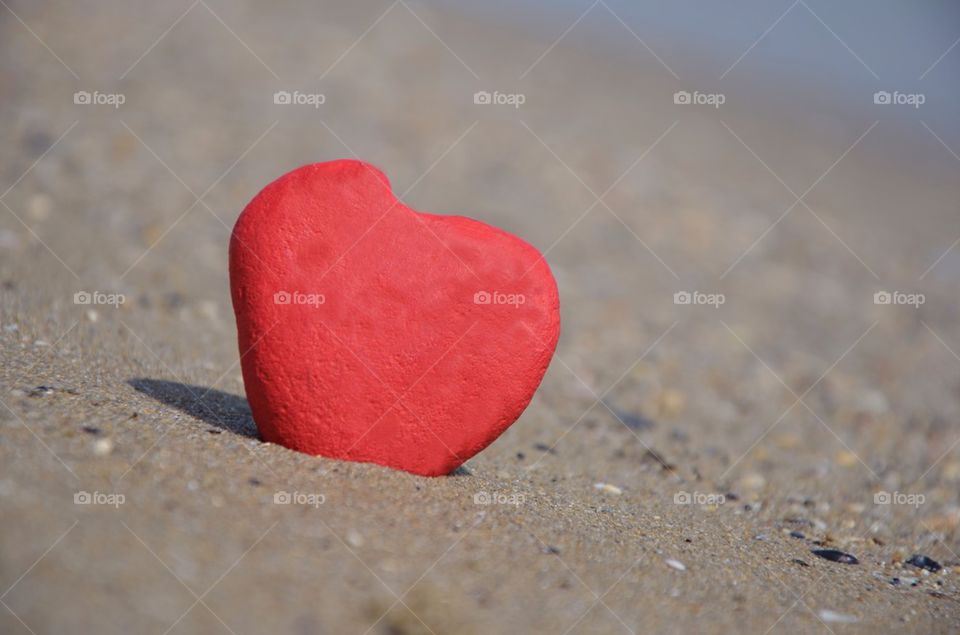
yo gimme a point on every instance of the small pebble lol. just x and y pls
(675, 564)
(103, 447)
(923, 562)
(635, 421)
(209, 310)
(836, 556)
(753, 481)
(797, 534)
(607, 488)
(873, 402)
(846, 458)
(832, 616)
(39, 206)
(905, 580)
(355, 538)
(671, 403)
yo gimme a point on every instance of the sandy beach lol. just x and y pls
(758, 359)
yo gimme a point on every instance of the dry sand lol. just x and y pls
(797, 400)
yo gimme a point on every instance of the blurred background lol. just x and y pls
(751, 211)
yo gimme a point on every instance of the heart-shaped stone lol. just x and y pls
(372, 332)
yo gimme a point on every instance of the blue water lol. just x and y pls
(889, 45)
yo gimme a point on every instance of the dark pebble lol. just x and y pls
(836, 556)
(652, 456)
(543, 447)
(521, 456)
(802, 563)
(636, 422)
(40, 391)
(806, 522)
(553, 551)
(254, 481)
(214, 431)
(37, 141)
(91, 429)
(923, 562)
(173, 300)
(797, 534)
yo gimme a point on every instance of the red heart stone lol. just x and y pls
(372, 332)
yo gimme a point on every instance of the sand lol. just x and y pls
(680, 462)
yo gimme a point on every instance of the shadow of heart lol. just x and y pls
(214, 407)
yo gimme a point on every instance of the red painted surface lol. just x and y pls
(372, 332)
